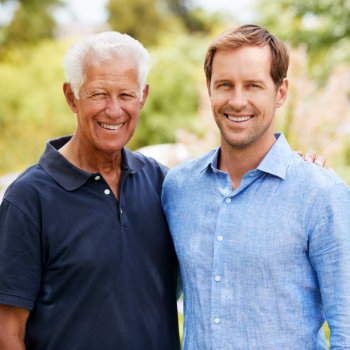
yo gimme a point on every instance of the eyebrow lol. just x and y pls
(221, 81)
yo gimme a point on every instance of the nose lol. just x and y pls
(113, 107)
(237, 99)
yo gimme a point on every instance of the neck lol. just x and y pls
(109, 165)
(236, 162)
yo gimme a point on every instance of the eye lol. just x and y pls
(98, 96)
(128, 96)
(254, 85)
(223, 85)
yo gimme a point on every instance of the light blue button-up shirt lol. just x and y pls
(265, 264)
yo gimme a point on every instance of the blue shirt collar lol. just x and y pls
(71, 177)
(275, 162)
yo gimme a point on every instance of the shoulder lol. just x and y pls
(317, 186)
(145, 165)
(25, 195)
(312, 176)
(29, 181)
(151, 163)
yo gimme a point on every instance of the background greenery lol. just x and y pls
(316, 116)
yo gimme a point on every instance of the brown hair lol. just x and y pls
(250, 34)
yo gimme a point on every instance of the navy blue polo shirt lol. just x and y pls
(96, 272)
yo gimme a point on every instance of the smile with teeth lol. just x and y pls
(239, 119)
(111, 127)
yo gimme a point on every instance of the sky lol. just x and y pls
(94, 12)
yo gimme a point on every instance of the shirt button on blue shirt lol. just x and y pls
(107, 191)
(228, 200)
(97, 177)
(217, 278)
(220, 238)
(217, 320)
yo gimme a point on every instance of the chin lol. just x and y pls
(110, 149)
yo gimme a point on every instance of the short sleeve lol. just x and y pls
(20, 257)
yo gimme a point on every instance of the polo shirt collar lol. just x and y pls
(130, 162)
(71, 177)
(275, 162)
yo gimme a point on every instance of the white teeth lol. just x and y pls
(111, 127)
(239, 119)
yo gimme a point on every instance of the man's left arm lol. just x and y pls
(329, 251)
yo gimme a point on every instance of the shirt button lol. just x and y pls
(97, 177)
(217, 320)
(217, 278)
(220, 238)
(121, 211)
(107, 191)
(228, 200)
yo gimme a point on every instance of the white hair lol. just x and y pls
(103, 47)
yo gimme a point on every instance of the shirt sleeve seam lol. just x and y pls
(24, 211)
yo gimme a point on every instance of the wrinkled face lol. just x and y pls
(108, 106)
(244, 97)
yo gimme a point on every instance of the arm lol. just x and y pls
(329, 252)
(12, 327)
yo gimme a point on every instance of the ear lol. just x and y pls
(282, 92)
(145, 94)
(70, 97)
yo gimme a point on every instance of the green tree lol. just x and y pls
(193, 18)
(322, 25)
(142, 19)
(32, 21)
(32, 104)
(150, 20)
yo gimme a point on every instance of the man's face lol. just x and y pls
(109, 105)
(244, 97)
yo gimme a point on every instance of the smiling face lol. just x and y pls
(244, 97)
(108, 106)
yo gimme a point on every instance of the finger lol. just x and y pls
(310, 157)
(320, 160)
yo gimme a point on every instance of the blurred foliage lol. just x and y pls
(321, 25)
(193, 18)
(149, 20)
(32, 22)
(327, 332)
(141, 19)
(32, 105)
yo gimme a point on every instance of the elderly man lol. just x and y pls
(86, 259)
(262, 237)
